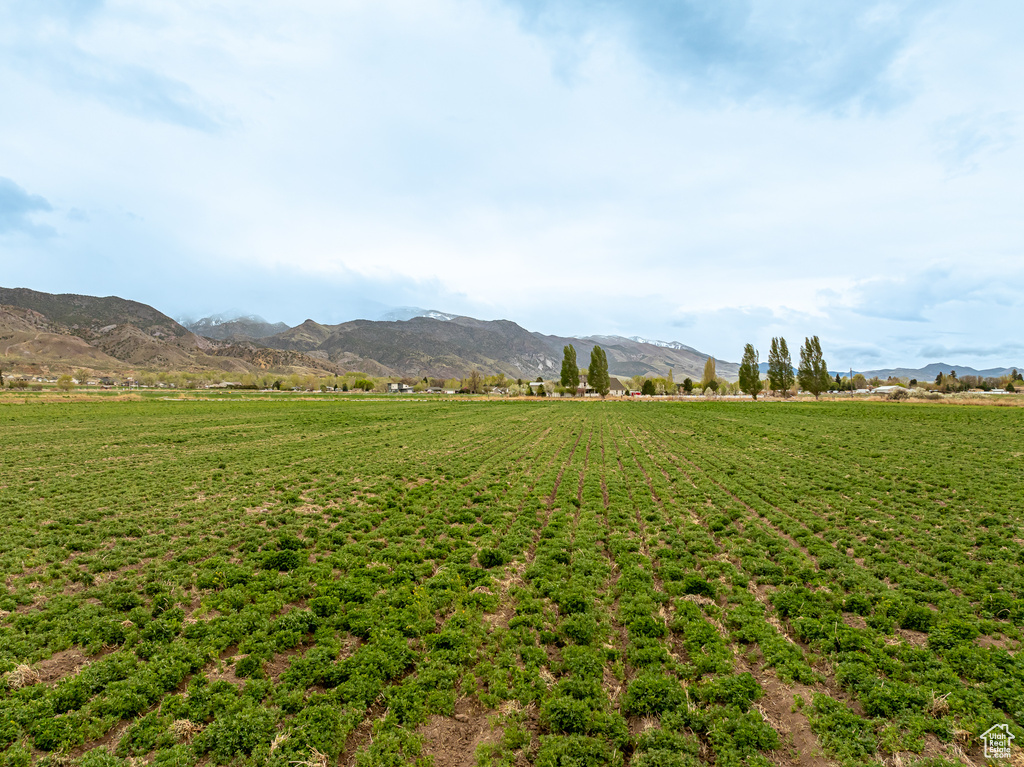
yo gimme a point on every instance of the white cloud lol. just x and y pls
(428, 154)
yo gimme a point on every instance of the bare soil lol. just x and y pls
(453, 740)
(60, 665)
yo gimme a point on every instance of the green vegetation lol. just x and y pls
(710, 377)
(812, 374)
(597, 373)
(570, 378)
(282, 581)
(780, 367)
(750, 372)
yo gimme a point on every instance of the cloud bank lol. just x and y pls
(714, 173)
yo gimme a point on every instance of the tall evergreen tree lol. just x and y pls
(813, 371)
(780, 367)
(598, 372)
(709, 373)
(570, 378)
(774, 365)
(750, 372)
(788, 379)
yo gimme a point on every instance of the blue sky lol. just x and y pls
(710, 172)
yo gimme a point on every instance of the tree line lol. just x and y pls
(596, 374)
(812, 373)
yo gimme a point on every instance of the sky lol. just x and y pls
(715, 173)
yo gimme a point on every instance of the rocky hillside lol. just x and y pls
(424, 346)
(65, 331)
(233, 328)
(41, 332)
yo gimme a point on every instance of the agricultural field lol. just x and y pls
(559, 584)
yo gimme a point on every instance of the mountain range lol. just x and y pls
(43, 332)
(233, 327)
(923, 374)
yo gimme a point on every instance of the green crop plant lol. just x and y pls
(291, 576)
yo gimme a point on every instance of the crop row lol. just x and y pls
(567, 583)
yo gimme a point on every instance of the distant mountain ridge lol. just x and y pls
(929, 372)
(111, 333)
(41, 329)
(926, 373)
(403, 313)
(63, 331)
(229, 326)
(424, 346)
(666, 344)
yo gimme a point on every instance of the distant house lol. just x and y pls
(434, 390)
(584, 389)
(615, 388)
(886, 389)
(398, 388)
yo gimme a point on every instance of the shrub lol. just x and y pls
(237, 733)
(917, 618)
(858, 604)
(576, 751)
(100, 757)
(660, 757)
(282, 560)
(324, 607)
(489, 558)
(583, 662)
(324, 727)
(738, 691)
(666, 740)
(891, 698)
(581, 628)
(568, 715)
(572, 602)
(647, 627)
(652, 693)
(694, 584)
(249, 666)
(57, 733)
(842, 733)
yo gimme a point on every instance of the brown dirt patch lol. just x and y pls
(280, 662)
(219, 670)
(361, 736)
(110, 740)
(60, 665)
(935, 749)
(799, 744)
(1002, 643)
(501, 618)
(452, 741)
(916, 638)
(854, 621)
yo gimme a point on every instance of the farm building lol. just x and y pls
(615, 388)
